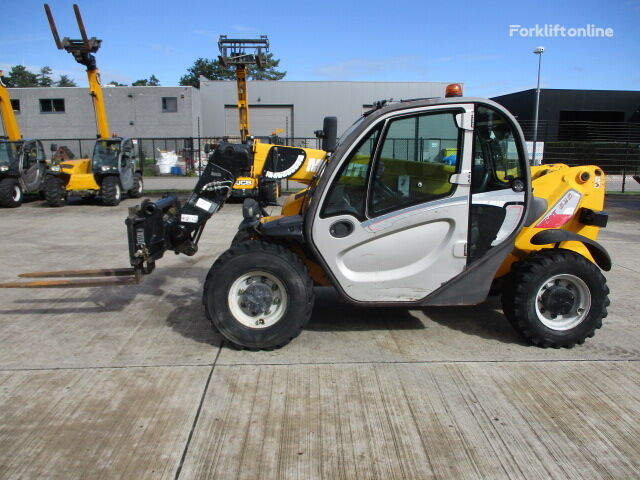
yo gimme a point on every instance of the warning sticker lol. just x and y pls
(203, 204)
(188, 218)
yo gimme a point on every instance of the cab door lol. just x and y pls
(127, 164)
(33, 166)
(393, 223)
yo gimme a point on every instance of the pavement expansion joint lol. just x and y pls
(197, 416)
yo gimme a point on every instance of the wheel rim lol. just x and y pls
(257, 299)
(17, 193)
(140, 186)
(563, 302)
(117, 196)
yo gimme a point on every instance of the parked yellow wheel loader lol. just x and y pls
(420, 203)
(113, 168)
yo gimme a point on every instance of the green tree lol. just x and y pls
(20, 77)
(44, 77)
(152, 81)
(214, 70)
(113, 83)
(65, 81)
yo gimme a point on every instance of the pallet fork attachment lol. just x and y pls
(155, 227)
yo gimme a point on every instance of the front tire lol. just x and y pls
(55, 192)
(258, 295)
(556, 298)
(111, 191)
(10, 193)
(138, 186)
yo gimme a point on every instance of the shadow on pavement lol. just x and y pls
(485, 321)
(331, 313)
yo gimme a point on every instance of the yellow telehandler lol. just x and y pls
(113, 168)
(420, 203)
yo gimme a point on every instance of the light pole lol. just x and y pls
(538, 51)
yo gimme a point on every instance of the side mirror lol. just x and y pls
(329, 134)
(54, 147)
(207, 148)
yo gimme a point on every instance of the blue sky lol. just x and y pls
(400, 40)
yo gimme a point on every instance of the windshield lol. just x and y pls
(350, 130)
(105, 153)
(9, 152)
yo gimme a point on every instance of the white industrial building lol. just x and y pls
(297, 108)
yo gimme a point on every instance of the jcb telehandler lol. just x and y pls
(113, 167)
(22, 162)
(254, 180)
(421, 202)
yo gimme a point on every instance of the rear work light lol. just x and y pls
(562, 211)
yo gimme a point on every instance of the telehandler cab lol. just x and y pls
(113, 167)
(22, 162)
(422, 202)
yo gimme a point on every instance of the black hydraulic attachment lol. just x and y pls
(155, 227)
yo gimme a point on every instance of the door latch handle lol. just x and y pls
(341, 229)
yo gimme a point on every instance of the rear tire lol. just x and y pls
(138, 186)
(258, 295)
(555, 298)
(111, 191)
(55, 192)
(10, 193)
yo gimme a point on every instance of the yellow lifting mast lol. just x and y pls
(242, 52)
(11, 128)
(82, 51)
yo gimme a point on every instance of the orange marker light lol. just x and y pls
(453, 90)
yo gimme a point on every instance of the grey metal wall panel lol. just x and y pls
(263, 120)
(132, 111)
(312, 101)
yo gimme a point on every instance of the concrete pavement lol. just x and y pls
(131, 382)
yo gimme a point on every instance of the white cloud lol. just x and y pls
(166, 49)
(207, 33)
(244, 29)
(24, 39)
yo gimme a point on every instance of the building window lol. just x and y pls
(15, 104)
(52, 105)
(169, 104)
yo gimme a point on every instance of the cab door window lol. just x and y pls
(41, 156)
(417, 158)
(127, 153)
(349, 190)
(30, 155)
(496, 160)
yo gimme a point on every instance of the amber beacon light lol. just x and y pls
(453, 90)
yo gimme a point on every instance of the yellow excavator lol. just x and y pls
(22, 162)
(113, 168)
(406, 227)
